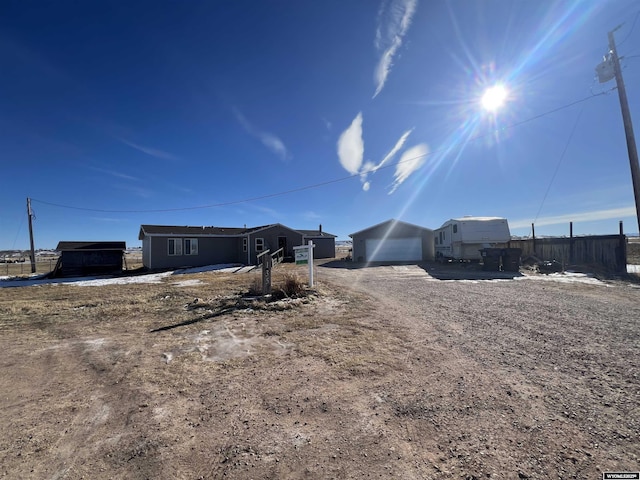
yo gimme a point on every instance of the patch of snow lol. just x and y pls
(222, 267)
(633, 268)
(188, 283)
(39, 279)
(83, 281)
(98, 282)
(566, 277)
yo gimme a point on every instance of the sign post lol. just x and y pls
(304, 256)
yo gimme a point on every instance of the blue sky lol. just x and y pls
(140, 112)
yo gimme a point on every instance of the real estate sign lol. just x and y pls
(302, 256)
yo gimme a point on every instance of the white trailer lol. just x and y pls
(463, 238)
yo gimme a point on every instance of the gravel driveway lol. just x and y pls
(533, 375)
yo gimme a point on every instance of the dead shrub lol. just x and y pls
(255, 289)
(292, 286)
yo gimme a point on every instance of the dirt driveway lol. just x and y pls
(389, 372)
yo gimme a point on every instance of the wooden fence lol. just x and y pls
(605, 251)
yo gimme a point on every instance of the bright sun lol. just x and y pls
(494, 98)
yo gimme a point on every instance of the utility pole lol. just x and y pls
(33, 251)
(628, 126)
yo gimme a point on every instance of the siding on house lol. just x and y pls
(273, 235)
(215, 245)
(392, 229)
(211, 251)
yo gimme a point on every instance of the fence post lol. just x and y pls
(622, 251)
(533, 234)
(266, 274)
(571, 259)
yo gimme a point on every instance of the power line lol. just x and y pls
(630, 31)
(13, 245)
(328, 182)
(564, 151)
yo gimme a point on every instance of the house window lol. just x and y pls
(191, 246)
(455, 228)
(259, 244)
(244, 244)
(174, 246)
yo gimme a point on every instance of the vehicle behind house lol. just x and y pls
(461, 239)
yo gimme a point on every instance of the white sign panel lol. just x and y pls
(302, 256)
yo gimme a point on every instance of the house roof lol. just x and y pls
(204, 231)
(316, 234)
(91, 246)
(392, 223)
(194, 231)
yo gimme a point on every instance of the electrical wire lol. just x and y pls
(630, 31)
(564, 151)
(13, 245)
(328, 182)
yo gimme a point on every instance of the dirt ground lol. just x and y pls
(412, 372)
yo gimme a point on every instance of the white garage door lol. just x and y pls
(394, 249)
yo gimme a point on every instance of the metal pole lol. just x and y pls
(33, 251)
(628, 126)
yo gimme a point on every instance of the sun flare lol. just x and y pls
(494, 98)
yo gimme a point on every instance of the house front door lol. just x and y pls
(282, 243)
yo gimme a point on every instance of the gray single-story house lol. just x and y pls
(393, 241)
(165, 246)
(89, 258)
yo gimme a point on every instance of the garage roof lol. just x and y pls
(392, 224)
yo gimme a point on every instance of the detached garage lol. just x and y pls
(393, 241)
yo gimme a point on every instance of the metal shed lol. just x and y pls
(393, 241)
(89, 258)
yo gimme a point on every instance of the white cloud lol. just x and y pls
(311, 215)
(114, 173)
(593, 216)
(154, 152)
(370, 167)
(396, 148)
(411, 160)
(394, 19)
(269, 140)
(351, 146)
(274, 144)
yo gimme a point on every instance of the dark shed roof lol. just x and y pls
(91, 246)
